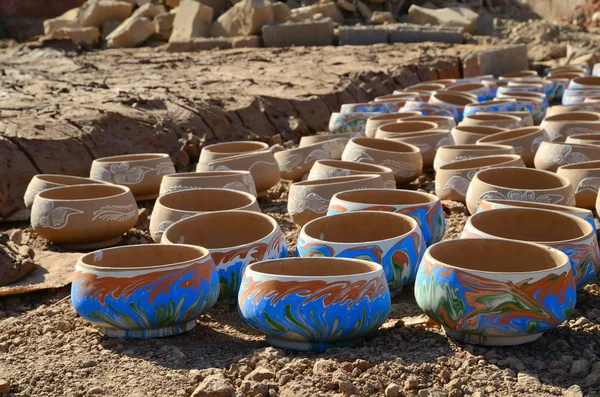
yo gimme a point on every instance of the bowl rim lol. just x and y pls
(565, 182)
(559, 207)
(468, 129)
(576, 145)
(392, 116)
(375, 268)
(509, 158)
(209, 174)
(474, 146)
(41, 177)
(159, 202)
(260, 146)
(336, 180)
(382, 169)
(124, 192)
(588, 165)
(524, 132)
(432, 198)
(241, 156)
(553, 117)
(309, 147)
(413, 149)
(491, 102)
(115, 159)
(489, 116)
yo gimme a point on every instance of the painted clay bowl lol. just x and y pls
(519, 184)
(592, 99)
(585, 82)
(596, 70)
(314, 303)
(584, 139)
(559, 85)
(173, 207)
(492, 106)
(518, 86)
(525, 117)
(452, 180)
(392, 240)
(428, 142)
(428, 86)
(404, 159)
(580, 107)
(573, 96)
(492, 120)
(516, 76)
(451, 153)
(424, 208)
(469, 134)
(584, 70)
(228, 149)
(530, 102)
(560, 126)
(84, 216)
(426, 109)
(325, 169)
(525, 141)
(261, 164)
(373, 123)
(444, 82)
(567, 74)
(234, 180)
(349, 122)
(312, 139)
(394, 130)
(503, 293)
(142, 173)
(399, 96)
(569, 234)
(378, 107)
(145, 291)
(481, 90)
(42, 182)
(234, 239)
(585, 178)
(309, 200)
(441, 121)
(453, 101)
(552, 155)
(294, 163)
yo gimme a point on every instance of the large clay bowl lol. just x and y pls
(398, 96)
(84, 216)
(234, 180)
(424, 208)
(588, 82)
(468, 134)
(525, 141)
(481, 90)
(585, 178)
(542, 86)
(234, 239)
(451, 153)
(427, 86)
(502, 293)
(520, 87)
(452, 180)
(569, 234)
(309, 200)
(566, 74)
(519, 184)
(492, 120)
(378, 107)
(373, 123)
(592, 99)
(573, 96)
(145, 291)
(142, 173)
(584, 139)
(325, 169)
(349, 122)
(441, 121)
(552, 155)
(428, 142)
(404, 159)
(294, 163)
(392, 240)
(182, 204)
(516, 76)
(312, 139)
(314, 303)
(453, 101)
(524, 116)
(227, 149)
(492, 106)
(42, 182)
(426, 109)
(561, 126)
(444, 82)
(529, 101)
(392, 130)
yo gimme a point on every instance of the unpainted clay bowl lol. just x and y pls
(42, 182)
(84, 216)
(552, 155)
(379, 107)
(566, 74)
(561, 126)
(453, 101)
(349, 122)
(234, 180)
(574, 96)
(427, 86)
(452, 180)
(373, 123)
(585, 178)
(467, 135)
(318, 138)
(145, 291)
(569, 69)
(580, 107)
(393, 130)
(423, 207)
(525, 141)
(587, 82)
(223, 150)
(325, 169)
(179, 205)
(519, 184)
(592, 99)
(142, 173)
(444, 82)
(509, 292)
(481, 90)
(524, 116)
(293, 163)
(441, 121)
(335, 301)
(428, 142)
(491, 120)
(492, 106)
(234, 240)
(392, 240)
(451, 153)
(584, 139)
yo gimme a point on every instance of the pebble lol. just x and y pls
(4, 386)
(411, 383)
(392, 390)
(592, 379)
(528, 381)
(580, 368)
(347, 388)
(573, 391)
(260, 374)
(513, 363)
(214, 386)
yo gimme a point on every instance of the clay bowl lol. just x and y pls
(452, 180)
(574, 96)
(481, 90)
(492, 120)
(596, 69)
(325, 169)
(335, 301)
(585, 178)
(398, 96)
(390, 239)
(404, 159)
(309, 200)
(373, 123)
(444, 82)
(525, 141)
(516, 76)
(453, 101)
(428, 143)
(569, 234)
(176, 206)
(566, 74)
(378, 107)
(580, 107)
(145, 291)
(584, 139)
(524, 86)
(531, 102)
(228, 149)
(552, 155)
(524, 116)
(393, 130)
(592, 99)
(502, 293)
(559, 85)
(426, 109)
(441, 121)
(424, 208)
(312, 139)
(466, 134)
(42, 182)
(234, 180)
(493, 106)
(451, 153)
(587, 82)
(294, 163)
(560, 126)
(349, 122)
(234, 239)
(519, 184)
(142, 173)
(570, 69)
(428, 86)
(84, 216)
(261, 164)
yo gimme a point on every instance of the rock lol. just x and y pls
(281, 12)
(246, 42)
(4, 386)
(411, 383)
(131, 33)
(193, 19)
(381, 17)
(432, 393)
(592, 380)
(528, 382)
(214, 386)
(149, 11)
(580, 368)
(497, 61)
(260, 374)
(347, 5)
(408, 33)
(108, 27)
(392, 390)
(323, 366)
(362, 35)
(84, 37)
(93, 13)
(66, 20)
(364, 10)
(451, 16)
(246, 18)
(573, 391)
(95, 391)
(347, 388)
(513, 363)
(308, 33)
(163, 25)
(328, 9)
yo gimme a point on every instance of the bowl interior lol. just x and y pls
(334, 180)
(588, 80)
(385, 197)
(454, 99)
(83, 192)
(521, 178)
(201, 200)
(511, 134)
(143, 256)
(542, 206)
(236, 147)
(131, 158)
(588, 165)
(408, 126)
(479, 162)
(491, 102)
(349, 165)
(574, 116)
(479, 129)
(586, 137)
(491, 117)
(466, 87)
(314, 267)
(385, 145)
(203, 175)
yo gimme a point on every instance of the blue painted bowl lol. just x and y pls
(314, 303)
(574, 96)
(585, 83)
(493, 106)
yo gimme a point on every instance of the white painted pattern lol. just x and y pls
(457, 183)
(121, 173)
(401, 168)
(98, 255)
(357, 155)
(165, 168)
(50, 217)
(561, 154)
(117, 213)
(521, 195)
(589, 184)
(300, 201)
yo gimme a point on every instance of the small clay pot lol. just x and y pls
(524, 116)
(441, 121)
(453, 101)
(481, 90)
(585, 178)
(393, 130)
(531, 102)
(325, 169)
(588, 82)
(428, 142)
(551, 155)
(84, 216)
(228, 149)
(574, 96)
(559, 85)
(492, 120)
(349, 122)
(451, 153)
(309, 200)
(142, 173)
(584, 139)
(176, 206)
(519, 86)
(404, 159)
(560, 126)
(234, 180)
(466, 135)
(517, 76)
(378, 107)
(580, 107)
(312, 139)
(427, 86)
(525, 141)
(493, 106)
(502, 288)
(42, 182)
(570, 69)
(293, 163)
(452, 180)
(373, 123)
(519, 184)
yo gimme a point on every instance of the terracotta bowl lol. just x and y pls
(378, 107)
(452, 180)
(584, 139)
(492, 120)
(350, 122)
(335, 301)
(525, 141)
(176, 206)
(428, 86)
(451, 153)
(261, 164)
(559, 85)
(524, 116)
(520, 87)
(294, 163)
(373, 123)
(453, 101)
(228, 149)
(503, 293)
(567, 74)
(325, 169)
(426, 109)
(585, 178)
(234, 180)
(569, 69)
(142, 173)
(234, 239)
(394, 130)
(531, 102)
(586, 82)
(392, 240)
(569, 234)
(84, 216)
(466, 135)
(515, 76)
(145, 291)
(573, 96)
(552, 155)
(441, 121)
(542, 86)
(580, 107)
(42, 182)
(481, 90)
(428, 142)
(493, 106)
(309, 200)
(398, 96)
(424, 208)
(444, 82)
(519, 184)
(592, 99)
(312, 139)
(404, 159)
(560, 126)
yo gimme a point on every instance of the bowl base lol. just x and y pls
(95, 245)
(147, 197)
(147, 333)
(490, 340)
(306, 346)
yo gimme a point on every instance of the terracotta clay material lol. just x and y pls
(400, 96)
(467, 135)
(516, 76)
(441, 121)
(514, 86)
(493, 106)
(525, 141)
(373, 123)
(444, 82)
(426, 109)
(379, 107)
(561, 126)
(573, 96)
(587, 82)
(427, 86)
(566, 75)
(84, 216)
(325, 169)
(524, 116)
(492, 120)
(580, 107)
(350, 122)
(584, 139)
(552, 155)
(318, 138)
(535, 103)
(228, 149)
(585, 178)
(482, 91)
(293, 163)
(234, 180)
(428, 142)
(592, 99)
(42, 182)
(393, 130)
(448, 154)
(142, 173)
(453, 101)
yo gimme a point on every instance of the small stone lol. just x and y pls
(592, 379)
(323, 366)
(392, 390)
(411, 383)
(347, 5)
(193, 19)
(528, 381)
(432, 393)
(95, 391)
(381, 17)
(362, 365)
(48, 329)
(131, 33)
(347, 388)
(86, 37)
(513, 363)
(214, 386)
(260, 374)
(573, 391)
(445, 375)
(16, 235)
(4, 386)
(281, 12)
(580, 368)
(246, 18)
(455, 393)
